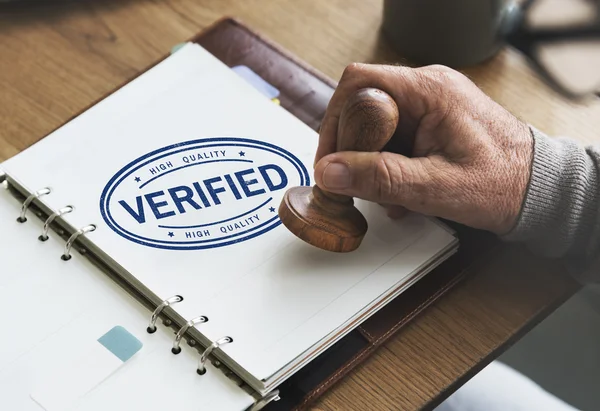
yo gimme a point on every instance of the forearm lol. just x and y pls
(560, 216)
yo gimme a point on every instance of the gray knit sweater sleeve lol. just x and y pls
(560, 216)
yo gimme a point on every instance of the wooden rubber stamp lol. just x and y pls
(331, 221)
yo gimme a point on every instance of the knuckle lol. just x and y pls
(444, 76)
(388, 178)
(439, 68)
(382, 184)
(394, 70)
(426, 83)
(352, 70)
(446, 87)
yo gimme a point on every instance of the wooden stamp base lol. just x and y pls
(323, 220)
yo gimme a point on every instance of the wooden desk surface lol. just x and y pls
(56, 59)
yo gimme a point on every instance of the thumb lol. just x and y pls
(384, 178)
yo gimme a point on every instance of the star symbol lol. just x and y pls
(171, 234)
(242, 154)
(272, 209)
(137, 179)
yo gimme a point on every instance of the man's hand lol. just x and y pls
(471, 158)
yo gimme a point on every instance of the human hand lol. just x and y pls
(470, 159)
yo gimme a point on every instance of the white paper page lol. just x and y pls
(55, 312)
(306, 293)
(119, 178)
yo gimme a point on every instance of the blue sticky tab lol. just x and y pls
(261, 85)
(121, 343)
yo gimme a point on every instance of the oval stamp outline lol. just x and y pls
(166, 151)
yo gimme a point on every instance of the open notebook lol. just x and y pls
(175, 180)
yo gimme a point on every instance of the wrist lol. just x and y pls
(515, 179)
(561, 199)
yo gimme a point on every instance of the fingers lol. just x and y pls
(401, 83)
(423, 95)
(384, 178)
(327, 136)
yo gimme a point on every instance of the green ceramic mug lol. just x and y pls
(455, 33)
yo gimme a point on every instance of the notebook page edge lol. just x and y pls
(293, 366)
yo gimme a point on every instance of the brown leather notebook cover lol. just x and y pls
(305, 93)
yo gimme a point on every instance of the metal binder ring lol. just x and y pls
(172, 300)
(28, 200)
(87, 229)
(201, 368)
(176, 349)
(272, 396)
(62, 211)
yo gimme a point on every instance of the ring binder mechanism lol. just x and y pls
(42, 192)
(50, 219)
(169, 301)
(201, 364)
(272, 396)
(82, 231)
(176, 348)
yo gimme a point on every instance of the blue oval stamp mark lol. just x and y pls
(201, 194)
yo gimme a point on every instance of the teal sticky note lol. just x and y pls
(177, 47)
(121, 343)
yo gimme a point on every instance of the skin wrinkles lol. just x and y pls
(470, 159)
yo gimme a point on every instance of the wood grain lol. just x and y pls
(58, 57)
